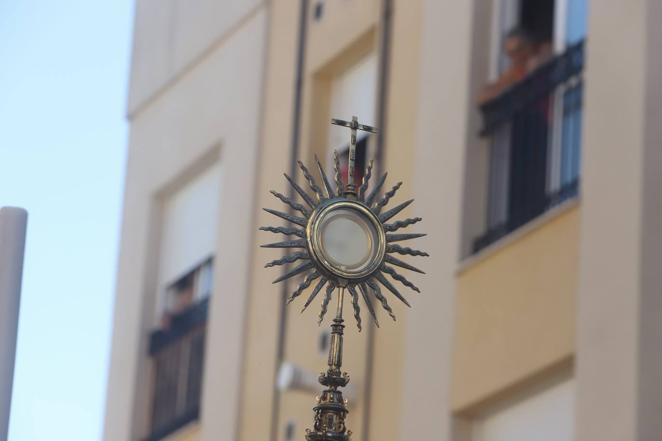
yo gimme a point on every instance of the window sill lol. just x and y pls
(178, 424)
(535, 224)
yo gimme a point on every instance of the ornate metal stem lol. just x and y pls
(331, 409)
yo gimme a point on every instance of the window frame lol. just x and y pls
(555, 180)
(505, 16)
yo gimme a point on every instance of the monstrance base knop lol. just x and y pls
(331, 409)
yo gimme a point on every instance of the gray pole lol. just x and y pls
(13, 222)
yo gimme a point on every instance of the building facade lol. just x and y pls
(527, 132)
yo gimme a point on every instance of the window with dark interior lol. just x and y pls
(352, 92)
(360, 164)
(532, 111)
(184, 284)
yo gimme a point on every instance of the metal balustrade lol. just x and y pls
(177, 357)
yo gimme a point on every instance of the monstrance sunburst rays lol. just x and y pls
(303, 241)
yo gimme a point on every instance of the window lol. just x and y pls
(532, 111)
(192, 288)
(353, 92)
(546, 415)
(565, 145)
(177, 365)
(360, 164)
(177, 343)
(188, 233)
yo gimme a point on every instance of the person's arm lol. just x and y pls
(496, 88)
(544, 53)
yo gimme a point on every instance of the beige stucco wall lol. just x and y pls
(515, 310)
(190, 432)
(400, 138)
(619, 362)
(211, 113)
(214, 81)
(334, 43)
(155, 133)
(438, 160)
(264, 299)
(172, 37)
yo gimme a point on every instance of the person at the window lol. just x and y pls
(525, 53)
(182, 294)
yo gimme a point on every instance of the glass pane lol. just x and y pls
(576, 19)
(571, 135)
(498, 178)
(204, 281)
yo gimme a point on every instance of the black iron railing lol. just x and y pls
(522, 123)
(499, 231)
(535, 86)
(177, 356)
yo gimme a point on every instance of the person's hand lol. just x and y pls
(508, 78)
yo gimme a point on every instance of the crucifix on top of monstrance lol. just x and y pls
(354, 126)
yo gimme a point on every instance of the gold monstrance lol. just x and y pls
(344, 239)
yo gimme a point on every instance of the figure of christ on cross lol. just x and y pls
(353, 126)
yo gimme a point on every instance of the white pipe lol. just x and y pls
(292, 377)
(13, 222)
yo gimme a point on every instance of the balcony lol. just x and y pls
(534, 129)
(177, 356)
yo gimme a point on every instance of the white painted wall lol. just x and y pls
(545, 416)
